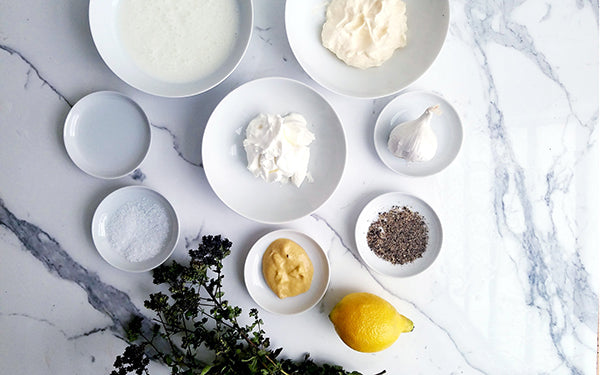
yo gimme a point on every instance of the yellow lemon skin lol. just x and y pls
(368, 323)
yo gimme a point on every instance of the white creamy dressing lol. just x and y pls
(178, 41)
(364, 33)
(277, 147)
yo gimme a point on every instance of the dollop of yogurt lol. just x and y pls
(277, 147)
(364, 33)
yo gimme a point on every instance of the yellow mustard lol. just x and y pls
(287, 268)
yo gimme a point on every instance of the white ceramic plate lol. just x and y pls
(427, 28)
(110, 205)
(107, 134)
(225, 162)
(104, 28)
(384, 203)
(264, 296)
(409, 106)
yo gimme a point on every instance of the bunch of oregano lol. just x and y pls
(193, 317)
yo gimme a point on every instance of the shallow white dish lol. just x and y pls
(104, 28)
(110, 205)
(107, 134)
(384, 203)
(224, 157)
(427, 20)
(409, 106)
(264, 296)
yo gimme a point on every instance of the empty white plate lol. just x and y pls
(427, 21)
(264, 296)
(447, 127)
(107, 134)
(113, 242)
(225, 162)
(384, 203)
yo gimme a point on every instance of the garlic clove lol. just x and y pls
(415, 140)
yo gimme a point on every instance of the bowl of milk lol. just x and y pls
(172, 48)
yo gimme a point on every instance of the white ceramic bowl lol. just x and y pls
(384, 203)
(110, 205)
(104, 29)
(264, 296)
(107, 134)
(447, 127)
(427, 20)
(224, 157)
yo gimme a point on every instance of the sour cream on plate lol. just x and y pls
(178, 41)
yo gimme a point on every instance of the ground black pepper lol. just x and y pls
(399, 235)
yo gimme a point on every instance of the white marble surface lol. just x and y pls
(514, 291)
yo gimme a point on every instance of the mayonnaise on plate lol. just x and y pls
(364, 33)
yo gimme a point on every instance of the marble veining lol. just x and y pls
(12, 51)
(554, 282)
(535, 217)
(103, 297)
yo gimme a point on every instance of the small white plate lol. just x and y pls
(107, 134)
(264, 296)
(104, 28)
(409, 106)
(384, 203)
(427, 28)
(225, 162)
(110, 205)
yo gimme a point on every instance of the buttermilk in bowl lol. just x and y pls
(178, 41)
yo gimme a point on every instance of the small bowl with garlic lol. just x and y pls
(418, 134)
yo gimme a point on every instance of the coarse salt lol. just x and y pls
(138, 230)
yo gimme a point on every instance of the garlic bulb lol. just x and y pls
(415, 140)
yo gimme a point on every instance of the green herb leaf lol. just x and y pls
(194, 317)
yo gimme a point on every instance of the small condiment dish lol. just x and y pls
(107, 134)
(264, 296)
(110, 205)
(408, 106)
(103, 17)
(384, 203)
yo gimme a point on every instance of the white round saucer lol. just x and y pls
(107, 134)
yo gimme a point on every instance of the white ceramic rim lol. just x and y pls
(152, 262)
(98, 25)
(207, 168)
(296, 50)
(255, 254)
(405, 270)
(379, 127)
(69, 122)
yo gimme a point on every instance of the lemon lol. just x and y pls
(368, 323)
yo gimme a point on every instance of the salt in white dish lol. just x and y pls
(109, 206)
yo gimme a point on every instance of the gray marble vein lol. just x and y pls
(32, 68)
(339, 237)
(103, 297)
(176, 145)
(552, 282)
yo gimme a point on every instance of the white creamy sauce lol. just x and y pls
(364, 33)
(178, 41)
(277, 148)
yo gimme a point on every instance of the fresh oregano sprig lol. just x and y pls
(193, 317)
